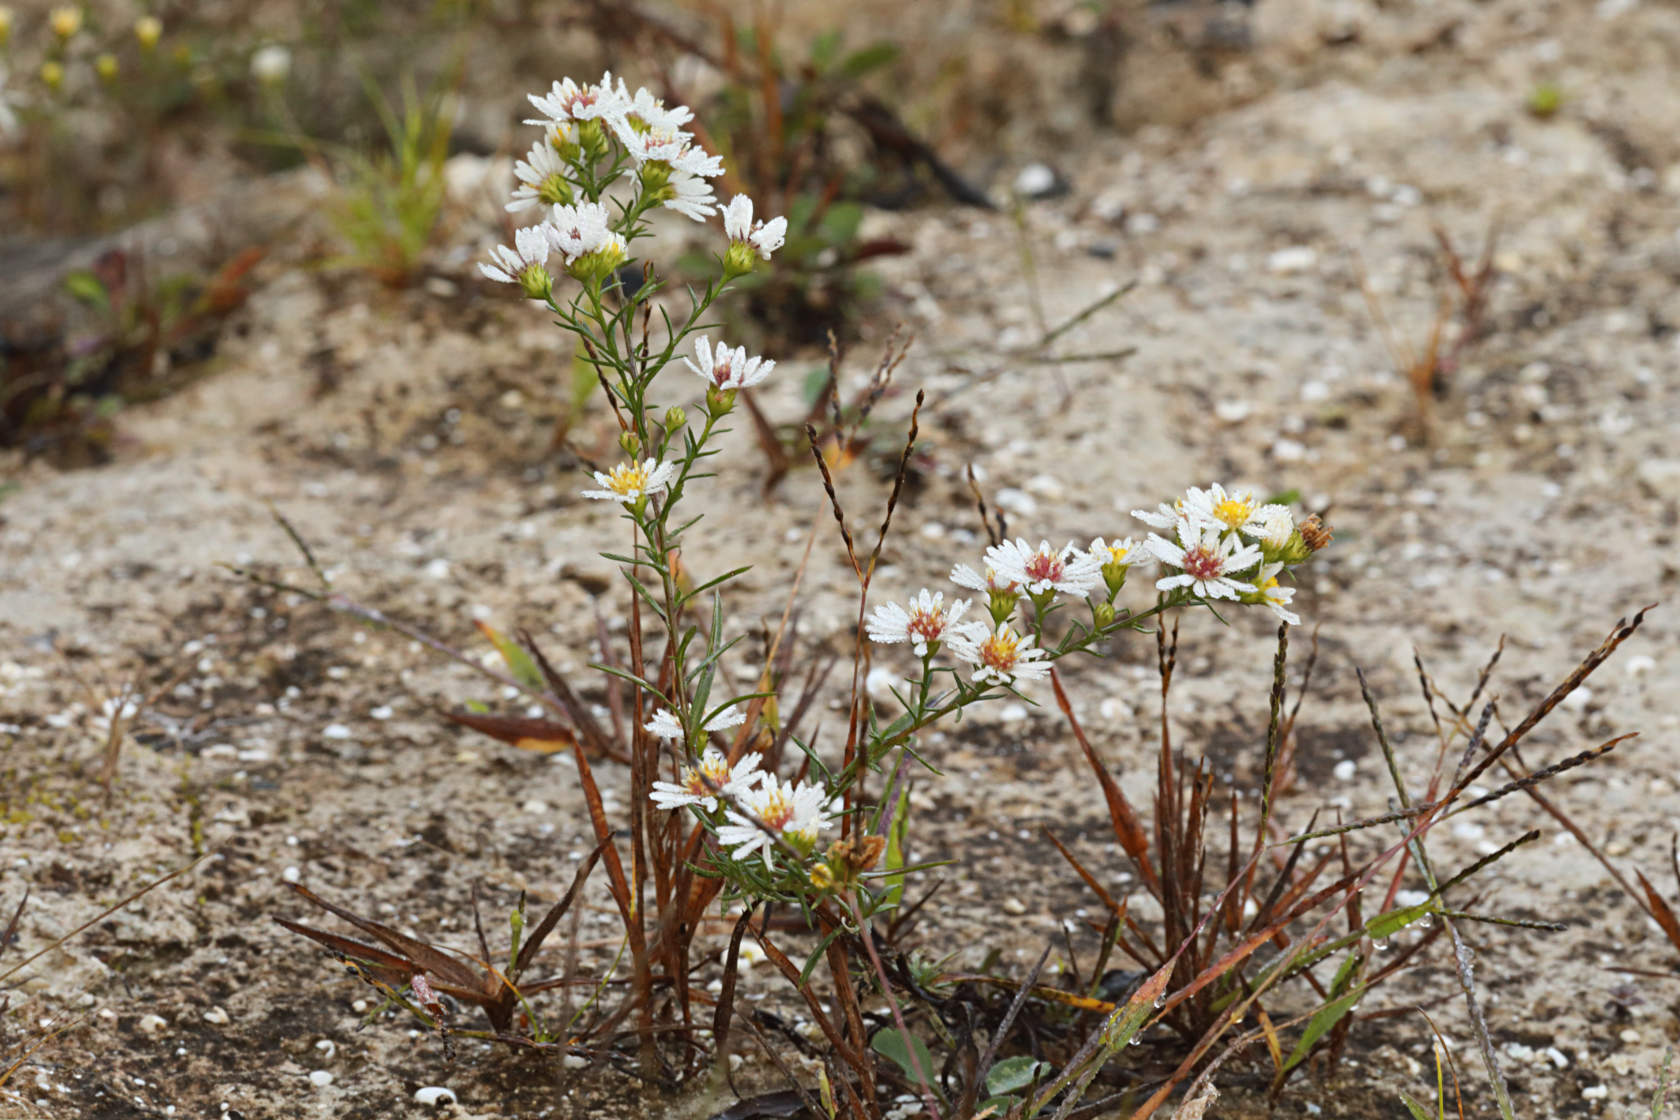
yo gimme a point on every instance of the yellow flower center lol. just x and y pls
(1234, 512)
(777, 811)
(628, 479)
(1001, 650)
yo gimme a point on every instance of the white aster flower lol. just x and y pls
(1241, 513)
(924, 625)
(674, 149)
(764, 238)
(582, 229)
(568, 101)
(1167, 517)
(795, 813)
(705, 783)
(631, 482)
(689, 195)
(524, 264)
(643, 112)
(1277, 527)
(542, 178)
(992, 583)
(1043, 569)
(1121, 553)
(1274, 594)
(1207, 559)
(726, 368)
(999, 656)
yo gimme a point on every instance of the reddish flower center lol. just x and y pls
(1044, 566)
(926, 625)
(1203, 563)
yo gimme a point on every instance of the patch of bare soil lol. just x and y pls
(408, 439)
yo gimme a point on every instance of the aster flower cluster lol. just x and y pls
(593, 137)
(1222, 546)
(1230, 545)
(606, 158)
(752, 812)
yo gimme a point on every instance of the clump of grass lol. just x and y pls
(1460, 323)
(145, 337)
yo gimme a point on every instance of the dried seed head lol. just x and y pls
(1315, 533)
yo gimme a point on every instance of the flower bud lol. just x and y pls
(52, 74)
(536, 282)
(592, 139)
(148, 30)
(822, 877)
(106, 67)
(65, 21)
(1001, 603)
(593, 268)
(1292, 551)
(739, 260)
(719, 402)
(631, 443)
(675, 418)
(5, 25)
(1104, 613)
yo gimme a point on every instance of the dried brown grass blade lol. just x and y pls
(1128, 829)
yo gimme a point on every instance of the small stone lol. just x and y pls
(291, 874)
(335, 731)
(326, 1047)
(1015, 906)
(1595, 1092)
(1039, 180)
(1289, 451)
(1639, 664)
(151, 1024)
(217, 1016)
(574, 1061)
(1012, 713)
(1018, 502)
(1578, 700)
(1233, 411)
(535, 807)
(1296, 258)
(434, 1095)
(1345, 770)
(320, 1078)
(1629, 1036)
(1556, 1056)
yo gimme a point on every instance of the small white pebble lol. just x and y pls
(1579, 699)
(535, 807)
(434, 1095)
(1345, 770)
(291, 874)
(1296, 258)
(320, 1078)
(1629, 1036)
(327, 1047)
(574, 1061)
(1595, 1092)
(1289, 451)
(359, 1006)
(1639, 664)
(384, 711)
(1013, 905)
(216, 1016)
(1232, 411)
(1557, 1057)
(1013, 712)
(1411, 898)
(335, 731)
(151, 1024)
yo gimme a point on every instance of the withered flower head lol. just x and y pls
(1315, 532)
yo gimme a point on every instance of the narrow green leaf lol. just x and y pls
(1323, 1019)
